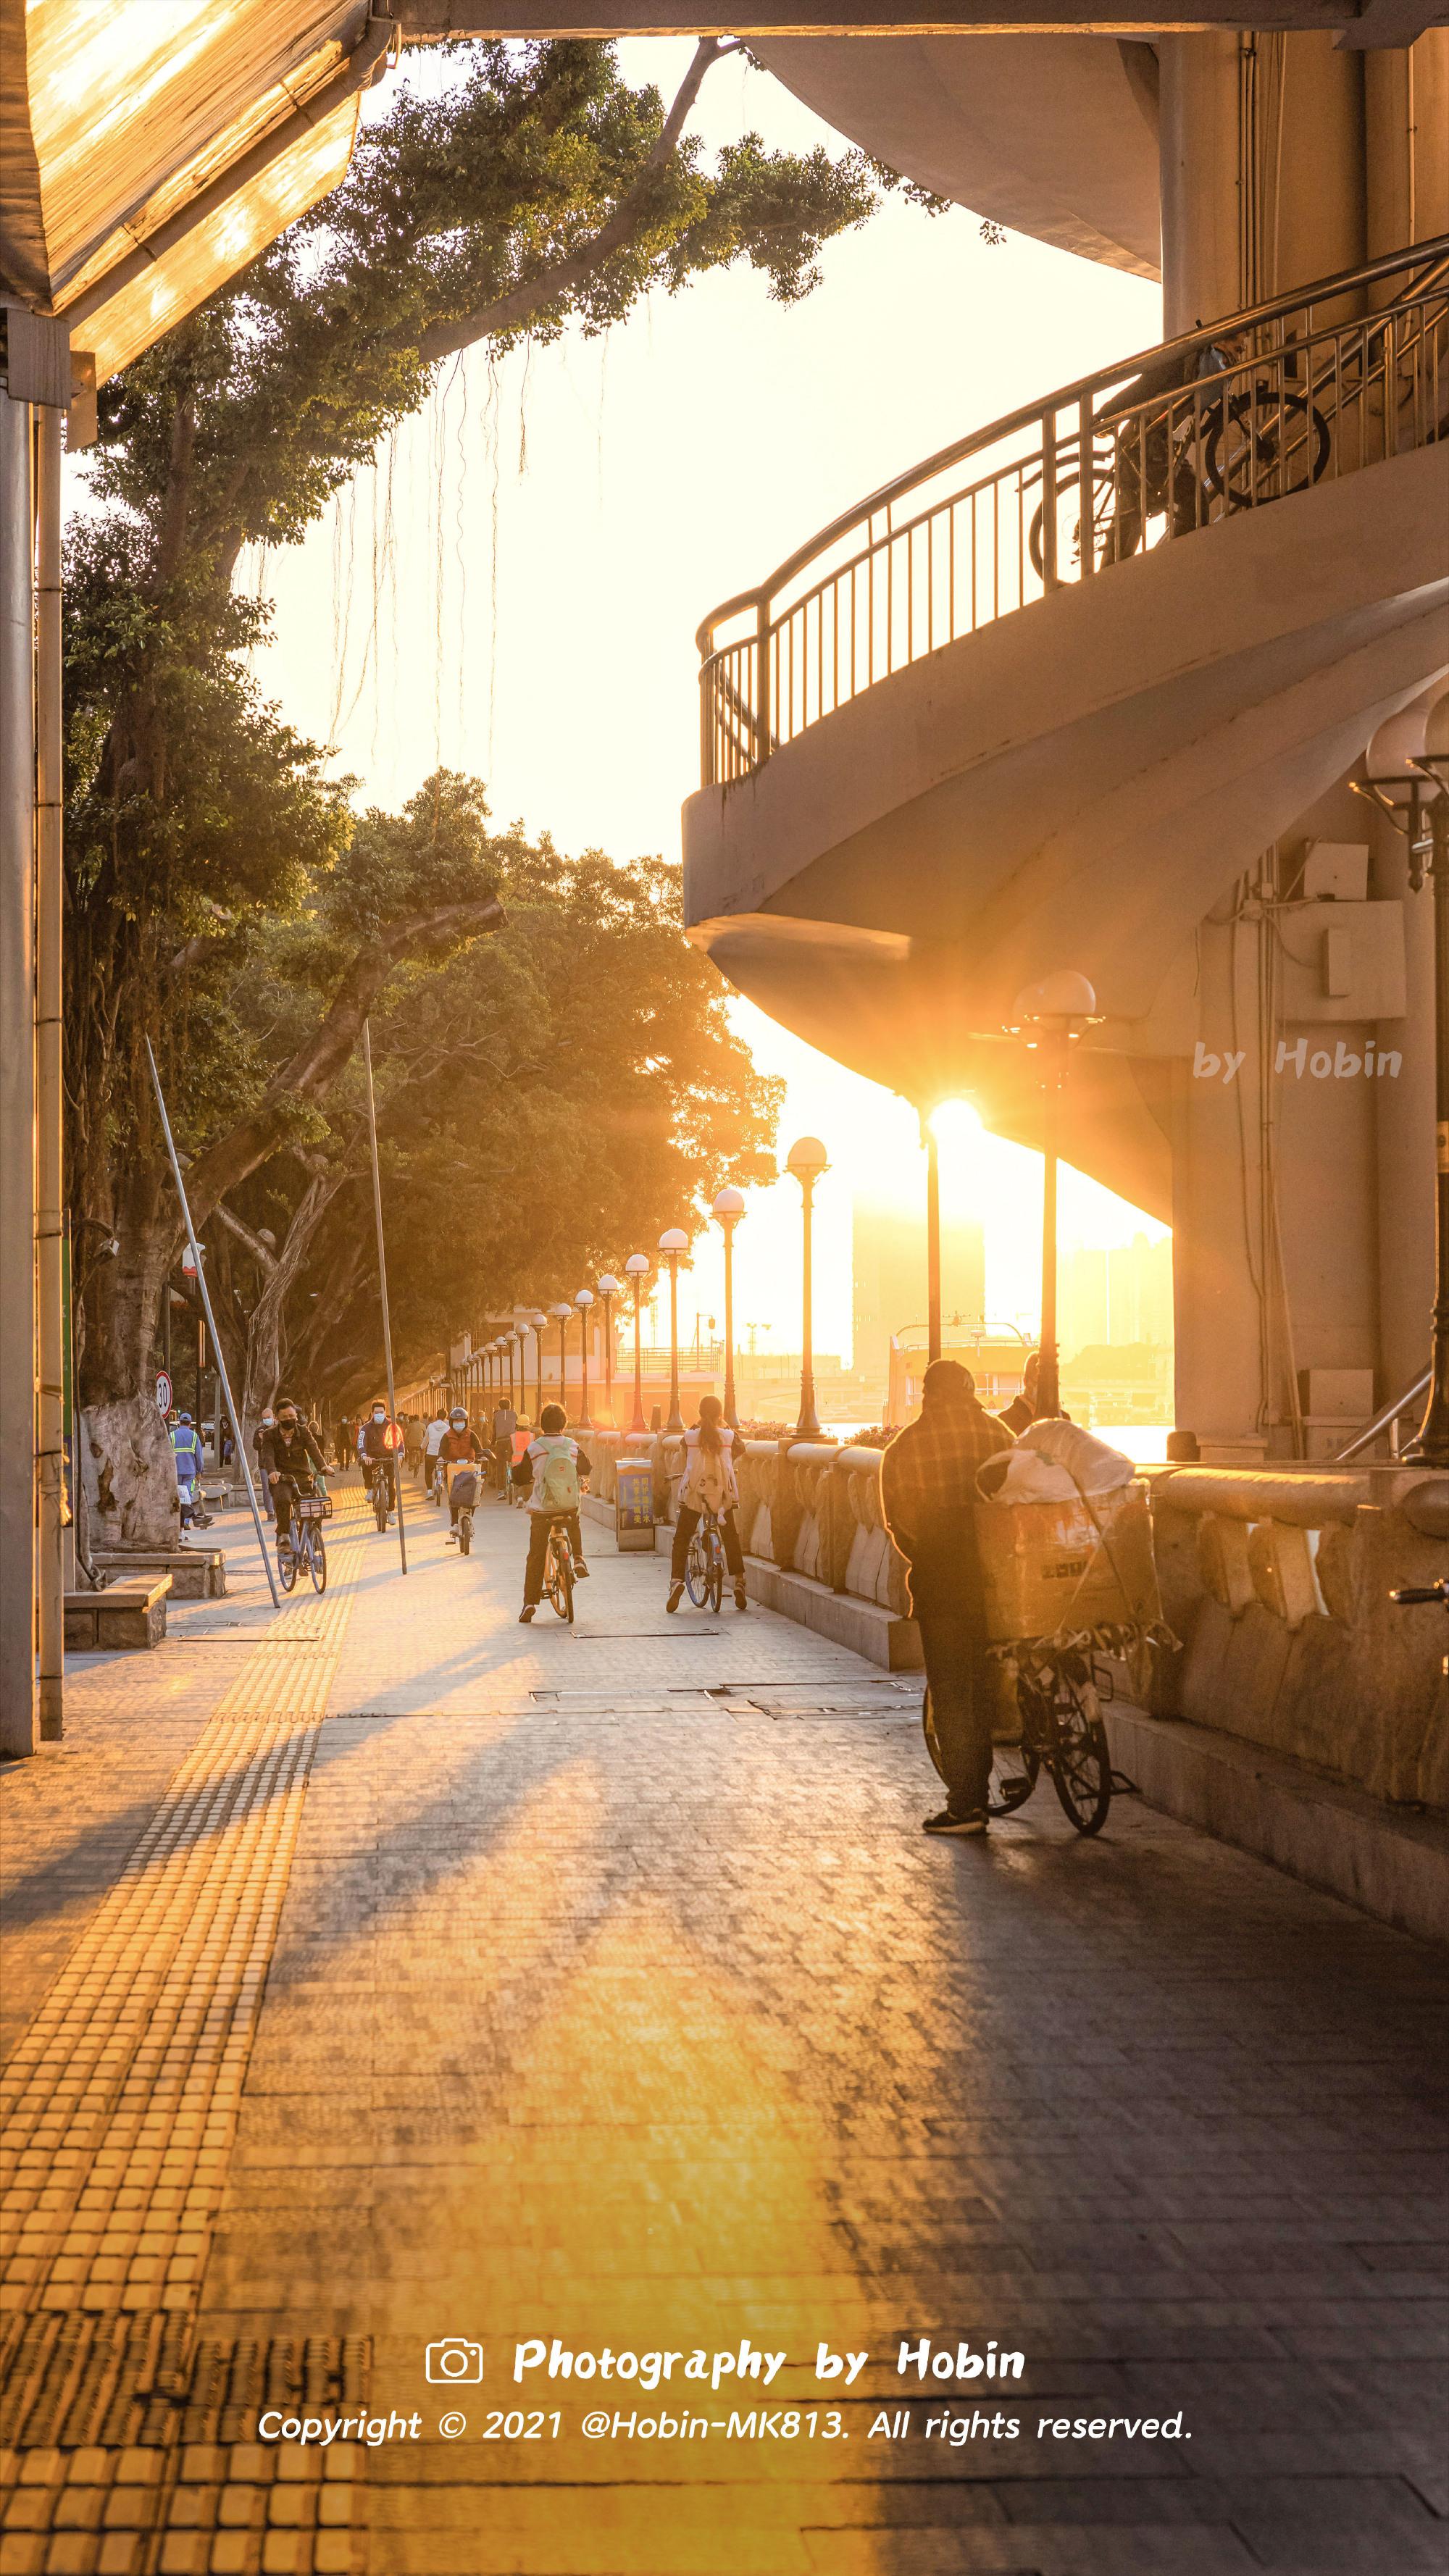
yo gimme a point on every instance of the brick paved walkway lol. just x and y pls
(387, 1972)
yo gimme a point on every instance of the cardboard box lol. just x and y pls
(1052, 1566)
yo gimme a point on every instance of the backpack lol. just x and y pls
(559, 1489)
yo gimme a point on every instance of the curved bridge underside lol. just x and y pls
(1076, 785)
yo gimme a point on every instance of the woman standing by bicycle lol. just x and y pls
(709, 1485)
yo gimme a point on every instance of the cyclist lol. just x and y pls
(460, 1447)
(292, 1461)
(928, 1494)
(708, 1485)
(378, 1440)
(505, 1423)
(553, 1465)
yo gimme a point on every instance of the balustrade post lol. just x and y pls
(1087, 548)
(763, 691)
(1049, 575)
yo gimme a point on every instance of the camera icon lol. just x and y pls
(454, 2360)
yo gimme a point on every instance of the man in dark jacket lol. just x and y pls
(928, 1490)
(1022, 1409)
(291, 1459)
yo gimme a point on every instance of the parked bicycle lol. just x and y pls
(303, 1545)
(1059, 1695)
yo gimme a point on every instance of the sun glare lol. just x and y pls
(956, 1122)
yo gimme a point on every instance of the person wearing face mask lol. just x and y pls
(291, 1460)
(460, 1446)
(259, 1440)
(432, 1443)
(378, 1440)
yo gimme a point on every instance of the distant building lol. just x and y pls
(1118, 1382)
(888, 1262)
(1119, 1296)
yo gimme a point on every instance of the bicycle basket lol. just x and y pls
(308, 1507)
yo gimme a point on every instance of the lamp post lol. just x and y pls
(1408, 780)
(608, 1291)
(933, 1239)
(538, 1320)
(807, 1159)
(561, 1313)
(511, 1340)
(584, 1301)
(672, 1243)
(729, 1207)
(1051, 1016)
(636, 1268)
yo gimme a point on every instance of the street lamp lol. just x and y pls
(1408, 780)
(1051, 1015)
(584, 1301)
(561, 1313)
(729, 1207)
(514, 1342)
(608, 1291)
(637, 1269)
(933, 1239)
(807, 1159)
(538, 1319)
(672, 1243)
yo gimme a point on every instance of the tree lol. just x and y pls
(538, 1097)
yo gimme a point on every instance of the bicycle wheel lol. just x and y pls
(465, 1531)
(696, 1571)
(317, 1560)
(716, 1571)
(286, 1563)
(379, 1503)
(1112, 535)
(1259, 447)
(1081, 1763)
(558, 1577)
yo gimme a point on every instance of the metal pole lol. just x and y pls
(1048, 1396)
(397, 1480)
(638, 1423)
(538, 1331)
(933, 1242)
(609, 1424)
(215, 1337)
(18, 1712)
(808, 1426)
(676, 1418)
(50, 1179)
(584, 1423)
(731, 1409)
(1430, 1444)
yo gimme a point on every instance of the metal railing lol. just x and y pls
(1346, 373)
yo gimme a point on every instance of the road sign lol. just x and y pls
(163, 1392)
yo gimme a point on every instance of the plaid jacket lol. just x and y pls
(928, 1485)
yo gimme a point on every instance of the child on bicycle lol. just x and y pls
(553, 1465)
(709, 1485)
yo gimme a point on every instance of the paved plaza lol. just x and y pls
(383, 1972)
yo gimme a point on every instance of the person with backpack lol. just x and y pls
(553, 1465)
(708, 1484)
(460, 1450)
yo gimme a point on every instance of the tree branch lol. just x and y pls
(265, 1260)
(321, 1058)
(520, 304)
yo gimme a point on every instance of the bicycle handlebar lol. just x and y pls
(1406, 1593)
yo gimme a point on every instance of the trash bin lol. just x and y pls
(634, 1504)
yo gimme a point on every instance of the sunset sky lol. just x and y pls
(560, 523)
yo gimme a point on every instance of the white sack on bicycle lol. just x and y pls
(1054, 1462)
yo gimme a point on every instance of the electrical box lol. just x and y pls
(1335, 872)
(1343, 961)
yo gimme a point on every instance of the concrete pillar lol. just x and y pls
(18, 1713)
(1406, 122)
(50, 1185)
(1198, 146)
(1217, 1252)
(1404, 1118)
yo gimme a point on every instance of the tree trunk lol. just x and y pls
(128, 1476)
(265, 1353)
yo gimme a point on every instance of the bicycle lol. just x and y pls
(380, 1490)
(1059, 1694)
(307, 1546)
(704, 1571)
(465, 1494)
(558, 1569)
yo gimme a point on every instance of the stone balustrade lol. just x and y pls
(1276, 1583)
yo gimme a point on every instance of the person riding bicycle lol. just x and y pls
(708, 1485)
(291, 1460)
(460, 1447)
(554, 1466)
(378, 1442)
(928, 1498)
